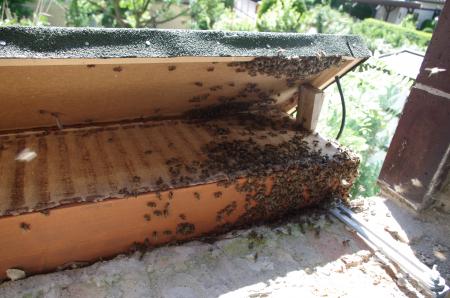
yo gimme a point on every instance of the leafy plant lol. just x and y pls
(205, 13)
(18, 12)
(282, 16)
(123, 13)
(429, 25)
(230, 22)
(397, 36)
(374, 99)
(18, 8)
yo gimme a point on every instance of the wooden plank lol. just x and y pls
(417, 164)
(88, 231)
(97, 163)
(102, 184)
(309, 106)
(327, 76)
(117, 92)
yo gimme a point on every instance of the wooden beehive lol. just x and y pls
(110, 137)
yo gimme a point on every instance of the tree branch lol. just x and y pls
(171, 18)
(118, 15)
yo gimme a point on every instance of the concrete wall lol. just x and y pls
(395, 16)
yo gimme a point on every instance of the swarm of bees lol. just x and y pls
(293, 68)
(279, 176)
(185, 228)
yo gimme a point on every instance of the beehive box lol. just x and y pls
(110, 137)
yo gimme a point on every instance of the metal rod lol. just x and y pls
(429, 279)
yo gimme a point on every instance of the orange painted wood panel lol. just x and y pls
(86, 232)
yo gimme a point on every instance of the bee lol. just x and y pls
(182, 216)
(210, 68)
(171, 67)
(302, 229)
(148, 152)
(157, 213)
(158, 195)
(346, 242)
(136, 179)
(170, 195)
(217, 194)
(199, 84)
(25, 226)
(197, 195)
(155, 235)
(46, 212)
(117, 69)
(166, 212)
(167, 232)
(317, 232)
(147, 217)
(151, 204)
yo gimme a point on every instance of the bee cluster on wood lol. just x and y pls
(290, 68)
(253, 147)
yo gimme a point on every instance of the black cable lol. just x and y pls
(341, 129)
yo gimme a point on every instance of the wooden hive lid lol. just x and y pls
(78, 76)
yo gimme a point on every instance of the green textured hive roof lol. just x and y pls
(57, 43)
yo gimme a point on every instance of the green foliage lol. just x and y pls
(229, 3)
(324, 19)
(283, 16)
(374, 98)
(428, 25)
(265, 6)
(205, 13)
(122, 13)
(297, 5)
(18, 8)
(396, 36)
(361, 11)
(17, 13)
(230, 22)
(409, 22)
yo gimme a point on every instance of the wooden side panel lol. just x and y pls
(88, 231)
(43, 170)
(309, 106)
(417, 162)
(327, 77)
(82, 94)
(115, 185)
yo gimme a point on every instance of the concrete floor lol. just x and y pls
(426, 235)
(282, 260)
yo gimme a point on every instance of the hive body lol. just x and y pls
(101, 155)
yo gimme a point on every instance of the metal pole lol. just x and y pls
(429, 279)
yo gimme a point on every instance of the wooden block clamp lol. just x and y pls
(309, 105)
